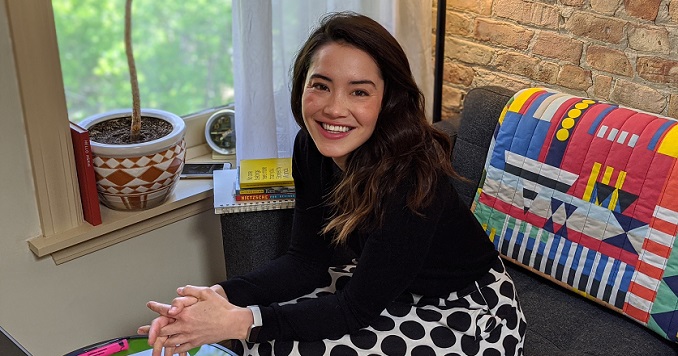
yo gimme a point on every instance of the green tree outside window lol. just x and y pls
(183, 52)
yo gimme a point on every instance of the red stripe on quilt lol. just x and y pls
(636, 313)
(642, 291)
(650, 270)
(657, 248)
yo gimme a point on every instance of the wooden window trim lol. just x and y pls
(64, 233)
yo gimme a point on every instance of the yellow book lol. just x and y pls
(266, 172)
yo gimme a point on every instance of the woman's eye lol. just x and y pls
(360, 93)
(319, 86)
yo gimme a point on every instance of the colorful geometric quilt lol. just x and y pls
(586, 193)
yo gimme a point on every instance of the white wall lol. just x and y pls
(52, 309)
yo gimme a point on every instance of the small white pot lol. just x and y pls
(140, 175)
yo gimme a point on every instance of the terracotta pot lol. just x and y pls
(141, 175)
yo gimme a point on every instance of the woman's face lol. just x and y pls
(341, 99)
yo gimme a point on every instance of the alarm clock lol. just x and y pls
(220, 131)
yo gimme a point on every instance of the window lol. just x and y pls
(182, 51)
(42, 106)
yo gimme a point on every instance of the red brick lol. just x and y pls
(597, 27)
(553, 45)
(457, 24)
(516, 63)
(525, 12)
(468, 52)
(483, 7)
(503, 33)
(457, 74)
(673, 10)
(673, 106)
(547, 73)
(606, 7)
(657, 70)
(637, 96)
(486, 77)
(451, 100)
(649, 39)
(602, 84)
(608, 60)
(574, 77)
(643, 9)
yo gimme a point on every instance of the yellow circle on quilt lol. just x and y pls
(574, 113)
(562, 134)
(568, 123)
(581, 106)
(588, 101)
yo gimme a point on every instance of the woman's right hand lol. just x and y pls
(168, 312)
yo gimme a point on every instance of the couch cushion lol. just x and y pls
(586, 193)
(482, 108)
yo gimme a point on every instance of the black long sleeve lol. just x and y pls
(435, 253)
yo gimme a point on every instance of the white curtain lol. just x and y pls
(266, 37)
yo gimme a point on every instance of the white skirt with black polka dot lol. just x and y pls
(482, 319)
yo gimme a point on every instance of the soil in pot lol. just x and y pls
(116, 131)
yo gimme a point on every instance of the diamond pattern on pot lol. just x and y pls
(138, 182)
(152, 173)
(143, 161)
(119, 177)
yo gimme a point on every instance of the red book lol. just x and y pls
(86, 179)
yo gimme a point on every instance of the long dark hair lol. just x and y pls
(403, 147)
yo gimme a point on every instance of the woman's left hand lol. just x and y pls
(210, 318)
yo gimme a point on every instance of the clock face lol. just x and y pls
(220, 131)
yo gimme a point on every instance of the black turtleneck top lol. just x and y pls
(434, 255)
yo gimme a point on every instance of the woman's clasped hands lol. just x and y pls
(198, 316)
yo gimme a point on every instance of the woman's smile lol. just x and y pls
(335, 128)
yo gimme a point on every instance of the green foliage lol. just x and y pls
(183, 52)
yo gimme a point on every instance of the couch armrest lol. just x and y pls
(482, 108)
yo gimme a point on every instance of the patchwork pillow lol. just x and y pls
(585, 193)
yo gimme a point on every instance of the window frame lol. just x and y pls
(64, 233)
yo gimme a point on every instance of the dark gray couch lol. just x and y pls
(560, 322)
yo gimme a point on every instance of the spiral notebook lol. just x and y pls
(224, 196)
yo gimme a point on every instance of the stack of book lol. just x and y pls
(257, 184)
(264, 179)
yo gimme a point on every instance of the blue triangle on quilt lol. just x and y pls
(555, 228)
(668, 322)
(672, 283)
(548, 225)
(626, 222)
(555, 204)
(621, 241)
(562, 231)
(569, 209)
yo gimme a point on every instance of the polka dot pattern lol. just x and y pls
(412, 329)
(483, 319)
(364, 339)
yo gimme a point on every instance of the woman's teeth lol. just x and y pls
(335, 128)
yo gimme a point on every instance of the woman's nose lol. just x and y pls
(336, 106)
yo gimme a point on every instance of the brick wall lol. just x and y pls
(621, 51)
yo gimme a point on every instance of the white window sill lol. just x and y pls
(190, 197)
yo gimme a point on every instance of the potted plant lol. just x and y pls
(137, 163)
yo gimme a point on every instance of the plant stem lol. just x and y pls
(135, 128)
